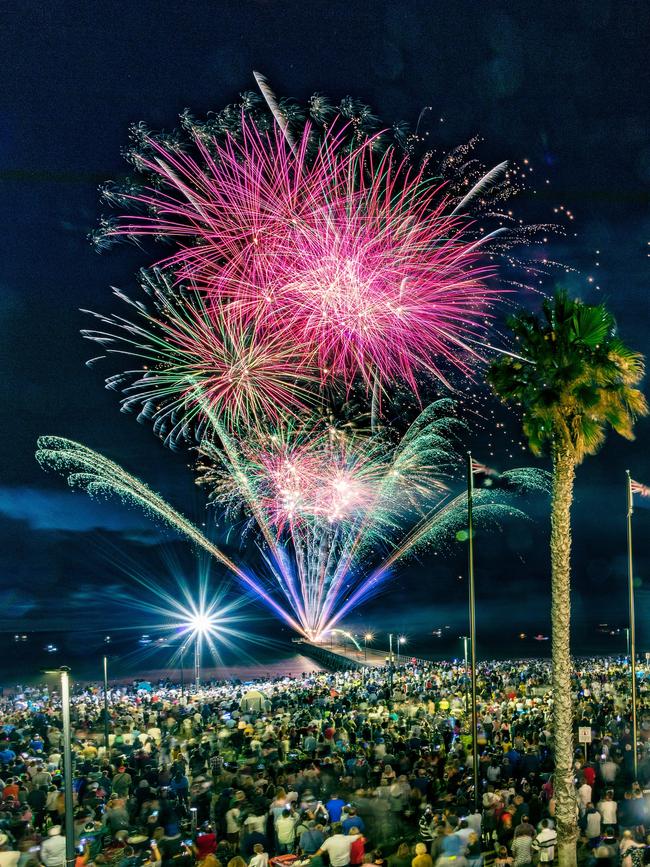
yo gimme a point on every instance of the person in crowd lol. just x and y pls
(402, 857)
(53, 848)
(260, 857)
(545, 842)
(286, 831)
(338, 846)
(421, 857)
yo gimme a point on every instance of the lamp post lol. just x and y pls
(400, 641)
(70, 854)
(106, 705)
(366, 638)
(472, 617)
(197, 661)
(182, 670)
(632, 629)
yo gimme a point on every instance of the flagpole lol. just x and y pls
(472, 619)
(630, 582)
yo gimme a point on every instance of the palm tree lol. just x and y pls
(573, 378)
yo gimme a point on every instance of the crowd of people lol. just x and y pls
(361, 767)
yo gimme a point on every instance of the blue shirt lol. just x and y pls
(451, 845)
(353, 822)
(311, 840)
(334, 808)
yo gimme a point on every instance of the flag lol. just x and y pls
(488, 477)
(638, 488)
(482, 470)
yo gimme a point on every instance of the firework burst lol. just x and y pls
(195, 360)
(325, 500)
(364, 261)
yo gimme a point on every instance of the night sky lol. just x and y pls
(562, 84)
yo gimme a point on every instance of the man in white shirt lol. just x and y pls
(584, 797)
(608, 809)
(338, 847)
(233, 825)
(260, 857)
(53, 848)
(285, 828)
(544, 843)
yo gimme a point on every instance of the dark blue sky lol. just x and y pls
(563, 84)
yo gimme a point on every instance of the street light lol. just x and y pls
(632, 628)
(366, 638)
(70, 854)
(401, 640)
(472, 619)
(200, 624)
(106, 705)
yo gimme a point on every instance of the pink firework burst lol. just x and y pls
(360, 257)
(311, 482)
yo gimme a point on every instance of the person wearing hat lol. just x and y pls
(135, 852)
(92, 834)
(53, 848)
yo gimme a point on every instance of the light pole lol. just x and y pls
(627, 641)
(472, 617)
(106, 705)
(400, 641)
(632, 632)
(70, 854)
(182, 670)
(197, 661)
(366, 638)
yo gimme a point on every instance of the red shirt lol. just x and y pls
(358, 850)
(206, 844)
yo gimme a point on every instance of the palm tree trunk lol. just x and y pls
(563, 786)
